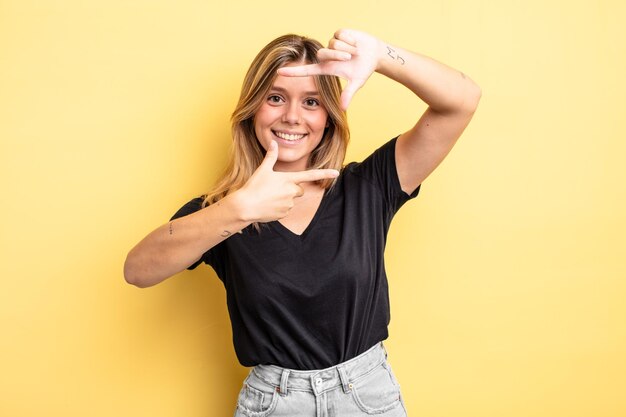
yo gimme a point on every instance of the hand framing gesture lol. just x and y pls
(351, 55)
(269, 194)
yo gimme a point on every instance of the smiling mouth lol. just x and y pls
(288, 136)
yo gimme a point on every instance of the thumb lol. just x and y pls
(270, 156)
(348, 92)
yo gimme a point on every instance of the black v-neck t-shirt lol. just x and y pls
(314, 300)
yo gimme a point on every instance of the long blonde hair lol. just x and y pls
(247, 153)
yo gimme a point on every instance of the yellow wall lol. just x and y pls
(506, 274)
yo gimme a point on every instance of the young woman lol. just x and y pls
(296, 237)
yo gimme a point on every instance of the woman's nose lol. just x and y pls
(292, 114)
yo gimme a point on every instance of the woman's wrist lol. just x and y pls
(237, 204)
(381, 58)
(389, 58)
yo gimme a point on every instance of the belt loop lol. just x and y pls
(345, 382)
(283, 382)
(384, 350)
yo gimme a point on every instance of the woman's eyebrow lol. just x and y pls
(284, 91)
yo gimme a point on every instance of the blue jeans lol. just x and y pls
(361, 386)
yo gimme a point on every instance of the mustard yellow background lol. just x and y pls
(507, 274)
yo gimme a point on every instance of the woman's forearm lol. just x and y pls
(444, 89)
(267, 196)
(177, 244)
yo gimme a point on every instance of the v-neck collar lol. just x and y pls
(285, 231)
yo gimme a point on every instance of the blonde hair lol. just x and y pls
(247, 153)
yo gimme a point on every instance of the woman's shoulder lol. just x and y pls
(384, 154)
(191, 206)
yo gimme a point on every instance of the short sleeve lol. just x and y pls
(191, 207)
(380, 169)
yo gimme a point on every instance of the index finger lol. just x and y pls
(301, 70)
(313, 175)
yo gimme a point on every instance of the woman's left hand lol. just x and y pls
(351, 55)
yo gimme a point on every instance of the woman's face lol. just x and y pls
(293, 116)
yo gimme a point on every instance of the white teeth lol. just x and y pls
(288, 137)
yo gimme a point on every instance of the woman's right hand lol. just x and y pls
(269, 195)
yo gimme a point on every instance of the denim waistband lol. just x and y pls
(321, 380)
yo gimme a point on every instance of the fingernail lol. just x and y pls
(346, 56)
(334, 173)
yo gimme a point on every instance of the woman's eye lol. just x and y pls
(312, 102)
(274, 99)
